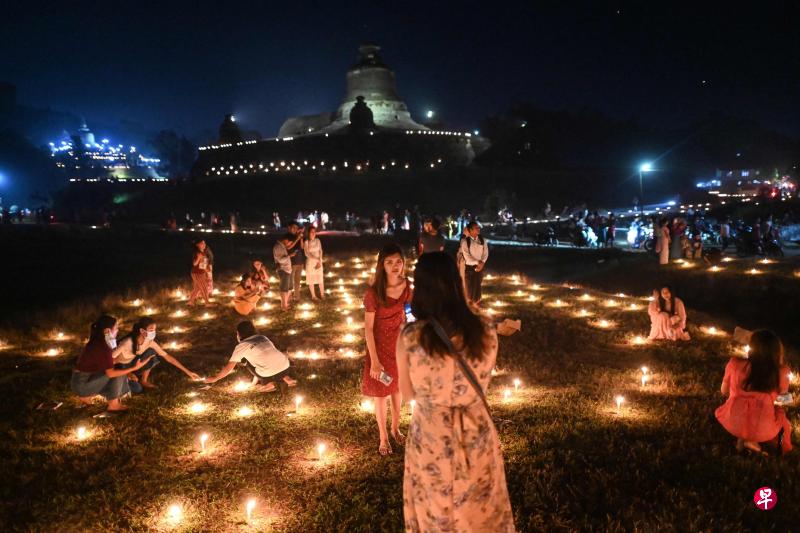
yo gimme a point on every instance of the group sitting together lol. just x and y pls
(114, 369)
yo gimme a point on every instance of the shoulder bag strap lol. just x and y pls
(465, 368)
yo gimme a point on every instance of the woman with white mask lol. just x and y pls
(94, 373)
(138, 345)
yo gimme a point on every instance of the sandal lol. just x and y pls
(385, 449)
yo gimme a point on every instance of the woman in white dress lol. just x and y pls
(667, 316)
(312, 247)
(662, 241)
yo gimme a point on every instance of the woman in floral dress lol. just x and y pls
(454, 477)
(384, 315)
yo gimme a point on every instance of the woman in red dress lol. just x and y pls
(752, 386)
(384, 315)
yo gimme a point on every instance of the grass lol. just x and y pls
(573, 461)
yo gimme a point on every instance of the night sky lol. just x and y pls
(183, 66)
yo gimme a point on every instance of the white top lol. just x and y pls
(281, 255)
(313, 249)
(262, 354)
(474, 250)
(123, 353)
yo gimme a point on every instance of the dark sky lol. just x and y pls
(184, 66)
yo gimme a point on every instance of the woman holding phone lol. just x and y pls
(384, 315)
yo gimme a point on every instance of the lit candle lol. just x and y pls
(60, 335)
(81, 434)
(240, 386)
(517, 383)
(203, 439)
(746, 349)
(638, 340)
(244, 411)
(645, 370)
(321, 450)
(173, 345)
(52, 352)
(619, 400)
(137, 302)
(197, 407)
(251, 505)
(292, 332)
(349, 337)
(297, 401)
(413, 403)
(174, 513)
(506, 395)
(367, 406)
(644, 379)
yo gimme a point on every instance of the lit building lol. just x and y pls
(83, 159)
(745, 182)
(371, 130)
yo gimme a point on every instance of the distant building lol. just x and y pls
(81, 158)
(371, 130)
(744, 182)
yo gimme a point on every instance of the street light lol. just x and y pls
(644, 167)
(429, 114)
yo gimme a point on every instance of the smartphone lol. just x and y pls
(385, 378)
(784, 399)
(409, 315)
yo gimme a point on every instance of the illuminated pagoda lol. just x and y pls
(372, 130)
(81, 158)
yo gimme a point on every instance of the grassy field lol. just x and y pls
(573, 460)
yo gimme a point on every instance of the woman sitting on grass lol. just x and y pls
(246, 295)
(267, 364)
(140, 344)
(752, 386)
(667, 316)
(94, 371)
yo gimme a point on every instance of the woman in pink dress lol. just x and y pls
(752, 386)
(201, 273)
(384, 315)
(667, 316)
(454, 476)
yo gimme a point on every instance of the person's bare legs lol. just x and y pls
(311, 291)
(285, 295)
(322, 289)
(86, 400)
(395, 405)
(380, 416)
(145, 381)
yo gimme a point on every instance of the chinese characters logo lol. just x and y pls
(765, 498)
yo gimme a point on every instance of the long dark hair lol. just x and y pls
(379, 284)
(143, 323)
(439, 295)
(662, 303)
(765, 360)
(96, 333)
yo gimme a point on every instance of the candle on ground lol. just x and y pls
(203, 439)
(251, 505)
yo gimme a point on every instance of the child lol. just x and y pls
(140, 344)
(752, 386)
(267, 364)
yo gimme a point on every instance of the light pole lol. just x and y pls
(644, 167)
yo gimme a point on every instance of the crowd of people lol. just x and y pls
(430, 343)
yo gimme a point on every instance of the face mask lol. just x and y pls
(111, 340)
(150, 335)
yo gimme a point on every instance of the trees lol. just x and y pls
(177, 153)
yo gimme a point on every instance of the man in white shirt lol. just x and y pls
(267, 364)
(283, 264)
(475, 250)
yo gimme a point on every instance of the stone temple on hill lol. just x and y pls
(372, 130)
